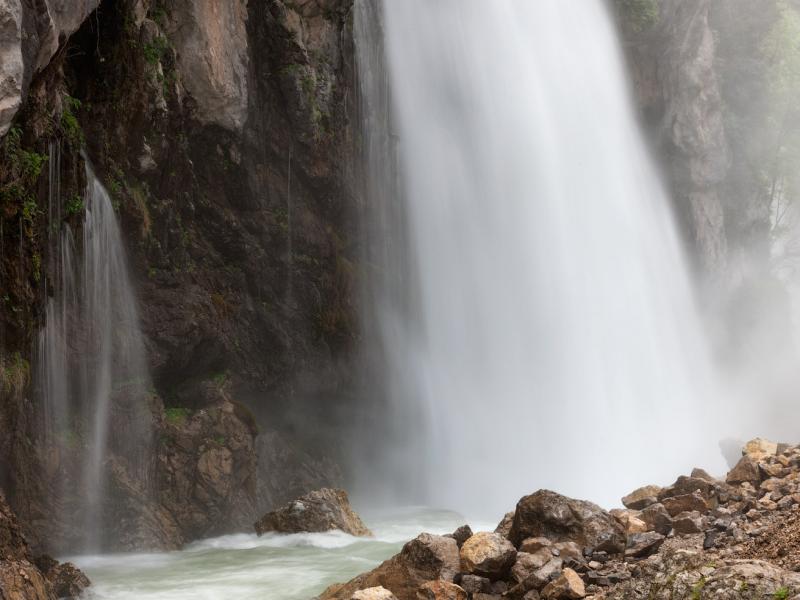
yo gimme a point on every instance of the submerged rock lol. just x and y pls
(322, 510)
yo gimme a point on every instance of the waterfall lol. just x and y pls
(92, 373)
(532, 307)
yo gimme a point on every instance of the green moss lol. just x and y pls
(781, 594)
(177, 416)
(75, 205)
(70, 127)
(154, 51)
(15, 373)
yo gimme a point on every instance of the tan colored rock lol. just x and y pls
(527, 563)
(642, 497)
(568, 585)
(563, 519)
(487, 554)
(745, 471)
(657, 519)
(630, 520)
(210, 38)
(375, 593)
(686, 503)
(688, 523)
(20, 580)
(423, 559)
(321, 510)
(441, 590)
(759, 449)
(532, 545)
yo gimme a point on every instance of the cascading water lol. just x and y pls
(92, 372)
(547, 335)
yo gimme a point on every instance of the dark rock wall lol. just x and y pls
(223, 132)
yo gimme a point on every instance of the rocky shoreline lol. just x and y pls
(700, 537)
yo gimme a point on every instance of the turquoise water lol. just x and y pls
(272, 567)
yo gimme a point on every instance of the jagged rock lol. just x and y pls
(567, 550)
(689, 485)
(641, 545)
(759, 449)
(487, 554)
(504, 527)
(211, 41)
(375, 593)
(441, 590)
(559, 518)
(207, 469)
(526, 564)
(461, 535)
(20, 580)
(423, 559)
(698, 473)
(28, 42)
(642, 497)
(630, 520)
(745, 471)
(688, 523)
(322, 510)
(568, 585)
(474, 584)
(539, 578)
(24, 578)
(66, 580)
(685, 503)
(657, 519)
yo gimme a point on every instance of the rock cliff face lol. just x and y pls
(223, 132)
(700, 78)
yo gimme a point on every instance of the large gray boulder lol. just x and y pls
(561, 519)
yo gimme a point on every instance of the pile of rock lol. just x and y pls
(25, 577)
(692, 539)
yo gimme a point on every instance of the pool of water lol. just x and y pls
(271, 567)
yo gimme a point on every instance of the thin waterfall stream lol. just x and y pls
(92, 373)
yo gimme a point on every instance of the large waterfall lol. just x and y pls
(546, 335)
(92, 374)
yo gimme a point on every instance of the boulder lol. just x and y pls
(642, 545)
(487, 554)
(441, 590)
(759, 449)
(689, 485)
(375, 593)
(423, 559)
(504, 526)
(745, 471)
(642, 497)
(321, 510)
(461, 535)
(539, 578)
(474, 584)
(567, 585)
(688, 523)
(698, 473)
(630, 520)
(657, 519)
(686, 503)
(527, 563)
(558, 518)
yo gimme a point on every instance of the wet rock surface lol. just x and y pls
(25, 577)
(321, 510)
